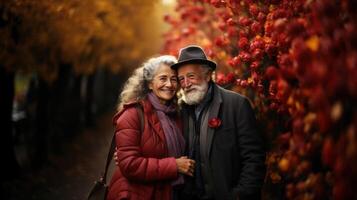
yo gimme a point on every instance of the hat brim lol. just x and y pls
(209, 63)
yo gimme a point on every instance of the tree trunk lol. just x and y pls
(9, 164)
(73, 107)
(42, 123)
(88, 101)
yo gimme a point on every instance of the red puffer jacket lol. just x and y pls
(145, 171)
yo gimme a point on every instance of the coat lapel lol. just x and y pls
(213, 111)
(188, 127)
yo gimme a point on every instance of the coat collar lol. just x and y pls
(213, 111)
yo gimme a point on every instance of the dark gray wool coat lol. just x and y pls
(233, 154)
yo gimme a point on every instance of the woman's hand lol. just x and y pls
(185, 166)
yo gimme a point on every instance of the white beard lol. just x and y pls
(196, 94)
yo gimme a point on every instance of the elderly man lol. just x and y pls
(221, 134)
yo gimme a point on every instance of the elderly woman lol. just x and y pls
(150, 162)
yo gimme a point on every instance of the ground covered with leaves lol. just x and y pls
(70, 174)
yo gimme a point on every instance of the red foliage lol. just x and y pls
(296, 60)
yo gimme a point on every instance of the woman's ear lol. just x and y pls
(150, 85)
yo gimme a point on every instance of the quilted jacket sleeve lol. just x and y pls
(131, 162)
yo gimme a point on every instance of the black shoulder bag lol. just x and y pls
(100, 189)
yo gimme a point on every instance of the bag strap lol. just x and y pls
(140, 111)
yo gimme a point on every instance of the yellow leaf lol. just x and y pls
(313, 43)
(290, 100)
(336, 111)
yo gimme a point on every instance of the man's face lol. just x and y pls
(193, 79)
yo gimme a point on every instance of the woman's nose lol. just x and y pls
(169, 83)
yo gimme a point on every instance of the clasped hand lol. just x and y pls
(184, 165)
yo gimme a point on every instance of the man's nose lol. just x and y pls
(185, 83)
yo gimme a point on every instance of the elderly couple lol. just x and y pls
(207, 148)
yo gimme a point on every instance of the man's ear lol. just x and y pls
(209, 76)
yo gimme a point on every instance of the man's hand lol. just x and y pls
(185, 165)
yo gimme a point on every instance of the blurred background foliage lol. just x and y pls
(62, 65)
(41, 35)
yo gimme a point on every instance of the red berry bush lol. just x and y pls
(297, 61)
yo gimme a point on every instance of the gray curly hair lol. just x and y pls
(136, 87)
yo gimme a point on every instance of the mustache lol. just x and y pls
(194, 87)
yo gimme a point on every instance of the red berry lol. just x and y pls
(253, 9)
(257, 43)
(254, 65)
(238, 81)
(258, 54)
(256, 27)
(236, 60)
(218, 3)
(231, 22)
(271, 72)
(220, 41)
(268, 28)
(244, 56)
(272, 88)
(220, 79)
(233, 62)
(232, 31)
(244, 83)
(243, 33)
(279, 13)
(243, 43)
(284, 60)
(210, 52)
(270, 49)
(244, 21)
(261, 17)
(230, 77)
(260, 88)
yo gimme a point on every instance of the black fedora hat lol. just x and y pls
(193, 55)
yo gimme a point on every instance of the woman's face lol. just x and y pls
(164, 83)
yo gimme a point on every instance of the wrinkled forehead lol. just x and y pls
(190, 68)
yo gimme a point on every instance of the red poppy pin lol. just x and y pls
(214, 122)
